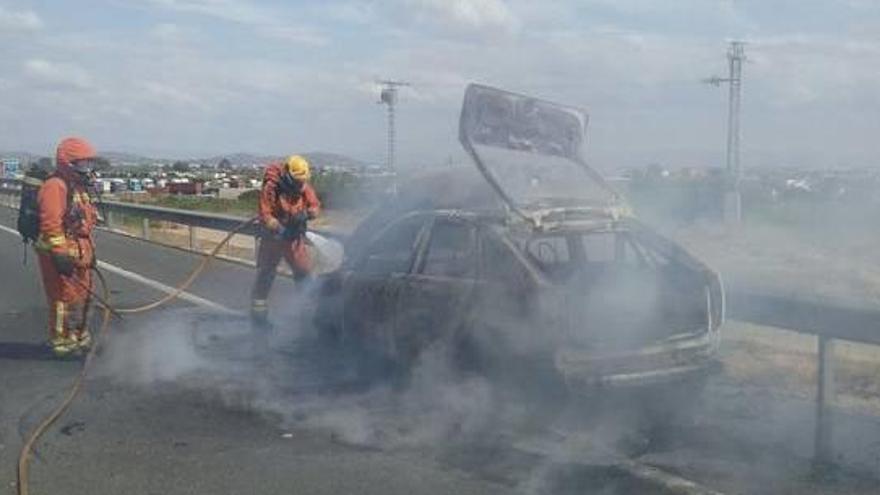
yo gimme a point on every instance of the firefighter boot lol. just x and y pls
(260, 314)
(83, 339)
(261, 329)
(62, 345)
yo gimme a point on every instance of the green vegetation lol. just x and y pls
(340, 190)
(336, 190)
(814, 217)
(244, 205)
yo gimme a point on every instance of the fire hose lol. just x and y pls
(107, 311)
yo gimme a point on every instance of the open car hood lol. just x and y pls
(531, 153)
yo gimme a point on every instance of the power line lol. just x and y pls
(735, 58)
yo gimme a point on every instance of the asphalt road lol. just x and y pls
(125, 435)
(179, 404)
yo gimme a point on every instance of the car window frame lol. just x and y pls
(418, 267)
(418, 246)
(530, 273)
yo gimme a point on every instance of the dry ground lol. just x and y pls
(831, 263)
(786, 362)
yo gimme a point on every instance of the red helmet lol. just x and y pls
(75, 154)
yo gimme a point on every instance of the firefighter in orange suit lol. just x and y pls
(287, 203)
(65, 246)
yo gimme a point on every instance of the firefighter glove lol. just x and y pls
(301, 219)
(295, 227)
(273, 225)
(64, 264)
(290, 232)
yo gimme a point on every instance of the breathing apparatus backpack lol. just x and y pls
(29, 210)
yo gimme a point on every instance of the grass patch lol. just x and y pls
(244, 205)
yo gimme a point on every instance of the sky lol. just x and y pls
(189, 78)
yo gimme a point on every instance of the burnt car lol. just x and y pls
(532, 258)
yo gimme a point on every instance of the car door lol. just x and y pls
(509, 319)
(373, 285)
(435, 298)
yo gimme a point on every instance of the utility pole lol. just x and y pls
(388, 97)
(732, 200)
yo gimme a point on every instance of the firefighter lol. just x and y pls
(287, 203)
(65, 246)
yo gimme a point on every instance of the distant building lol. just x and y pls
(185, 188)
(10, 168)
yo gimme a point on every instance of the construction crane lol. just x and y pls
(735, 58)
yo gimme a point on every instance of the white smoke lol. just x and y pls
(298, 381)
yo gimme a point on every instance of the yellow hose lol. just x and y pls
(103, 300)
(192, 276)
(27, 448)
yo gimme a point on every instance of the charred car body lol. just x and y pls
(535, 260)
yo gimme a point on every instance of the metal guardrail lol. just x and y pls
(827, 322)
(198, 219)
(113, 210)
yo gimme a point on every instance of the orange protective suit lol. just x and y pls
(67, 219)
(276, 210)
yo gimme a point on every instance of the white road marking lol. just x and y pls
(136, 277)
(186, 296)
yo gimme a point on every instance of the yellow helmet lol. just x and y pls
(298, 168)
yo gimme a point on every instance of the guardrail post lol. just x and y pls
(823, 450)
(110, 220)
(145, 228)
(192, 238)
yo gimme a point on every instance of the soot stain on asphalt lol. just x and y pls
(73, 427)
